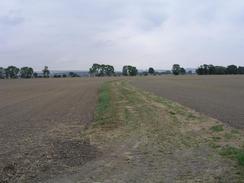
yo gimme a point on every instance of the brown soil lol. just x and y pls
(40, 125)
(221, 97)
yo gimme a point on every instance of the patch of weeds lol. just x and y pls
(240, 157)
(127, 114)
(234, 131)
(129, 117)
(229, 136)
(233, 152)
(216, 138)
(191, 116)
(188, 141)
(217, 128)
(130, 95)
(213, 145)
(157, 99)
(172, 112)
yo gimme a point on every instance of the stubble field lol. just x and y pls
(221, 97)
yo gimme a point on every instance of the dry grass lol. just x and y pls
(161, 140)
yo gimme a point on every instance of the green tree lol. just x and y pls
(133, 71)
(95, 69)
(12, 72)
(220, 70)
(151, 70)
(211, 69)
(232, 69)
(125, 71)
(205, 69)
(109, 70)
(46, 72)
(129, 70)
(240, 70)
(26, 72)
(176, 69)
(182, 71)
(101, 70)
(200, 70)
(2, 73)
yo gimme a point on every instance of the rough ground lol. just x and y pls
(40, 125)
(220, 97)
(144, 138)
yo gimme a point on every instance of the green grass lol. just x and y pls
(216, 138)
(104, 110)
(234, 153)
(104, 99)
(217, 128)
(234, 131)
(229, 136)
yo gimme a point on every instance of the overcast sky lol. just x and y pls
(74, 34)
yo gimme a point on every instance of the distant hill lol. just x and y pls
(193, 70)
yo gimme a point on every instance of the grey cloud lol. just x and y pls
(11, 20)
(74, 34)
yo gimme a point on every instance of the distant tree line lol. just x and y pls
(101, 70)
(128, 70)
(13, 72)
(219, 70)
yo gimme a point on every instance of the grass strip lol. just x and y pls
(104, 114)
(235, 153)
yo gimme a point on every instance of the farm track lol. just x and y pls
(40, 125)
(221, 97)
(145, 138)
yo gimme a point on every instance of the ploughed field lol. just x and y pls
(221, 97)
(90, 130)
(40, 126)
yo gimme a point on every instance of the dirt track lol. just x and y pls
(40, 126)
(221, 97)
